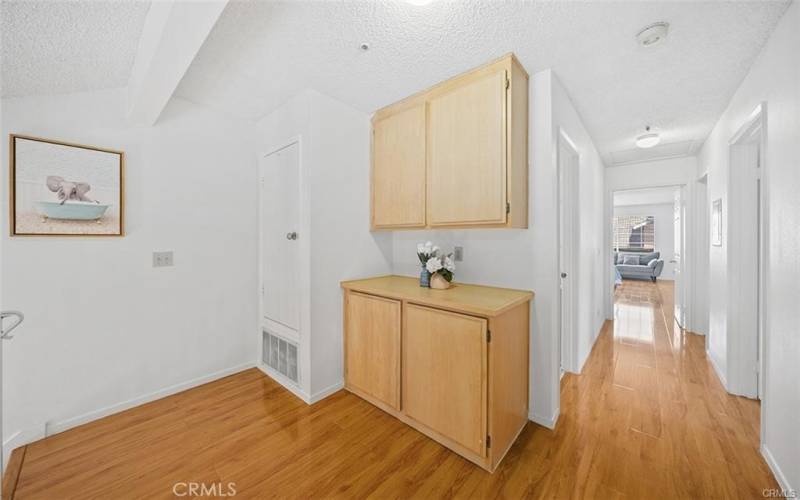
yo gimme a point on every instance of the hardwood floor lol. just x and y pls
(647, 418)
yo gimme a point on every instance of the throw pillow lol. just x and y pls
(630, 260)
(647, 257)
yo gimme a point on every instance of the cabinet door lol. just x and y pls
(372, 347)
(467, 153)
(398, 169)
(444, 374)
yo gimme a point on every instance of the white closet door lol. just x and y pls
(280, 217)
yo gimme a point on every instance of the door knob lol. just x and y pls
(563, 275)
(291, 236)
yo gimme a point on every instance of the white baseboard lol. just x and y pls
(31, 434)
(287, 384)
(718, 370)
(776, 470)
(324, 393)
(21, 438)
(290, 386)
(61, 426)
(549, 422)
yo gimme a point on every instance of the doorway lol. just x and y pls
(678, 251)
(699, 318)
(568, 243)
(746, 250)
(649, 244)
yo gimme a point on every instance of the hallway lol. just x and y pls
(646, 418)
(648, 415)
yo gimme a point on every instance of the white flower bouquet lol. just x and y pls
(425, 251)
(442, 265)
(437, 269)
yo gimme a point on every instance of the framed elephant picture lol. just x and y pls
(63, 189)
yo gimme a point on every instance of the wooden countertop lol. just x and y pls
(472, 299)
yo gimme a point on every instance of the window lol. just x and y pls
(634, 232)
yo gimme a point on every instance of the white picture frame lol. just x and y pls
(716, 222)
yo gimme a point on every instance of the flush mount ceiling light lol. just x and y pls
(648, 139)
(652, 34)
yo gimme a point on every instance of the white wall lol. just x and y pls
(774, 79)
(103, 328)
(527, 258)
(335, 153)
(664, 231)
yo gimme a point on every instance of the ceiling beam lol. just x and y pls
(173, 33)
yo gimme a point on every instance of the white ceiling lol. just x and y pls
(260, 53)
(660, 152)
(51, 47)
(649, 196)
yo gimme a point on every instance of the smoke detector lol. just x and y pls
(652, 34)
(648, 139)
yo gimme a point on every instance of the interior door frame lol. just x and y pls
(681, 286)
(568, 341)
(304, 271)
(739, 366)
(688, 257)
(701, 242)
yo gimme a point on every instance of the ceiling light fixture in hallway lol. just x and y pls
(648, 139)
(653, 34)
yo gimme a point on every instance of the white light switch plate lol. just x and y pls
(162, 259)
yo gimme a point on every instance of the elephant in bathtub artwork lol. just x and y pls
(73, 201)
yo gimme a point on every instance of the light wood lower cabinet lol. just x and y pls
(444, 373)
(457, 373)
(372, 349)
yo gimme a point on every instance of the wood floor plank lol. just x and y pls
(13, 469)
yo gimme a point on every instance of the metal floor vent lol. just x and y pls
(280, 355)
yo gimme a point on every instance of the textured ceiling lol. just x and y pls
(51, 47)
(261, 53)
(660, 152)
(650, 196)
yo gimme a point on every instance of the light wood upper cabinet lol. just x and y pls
(455, 155)
(372, 347)
(467, 153)
(444, 374)
(398, 169)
